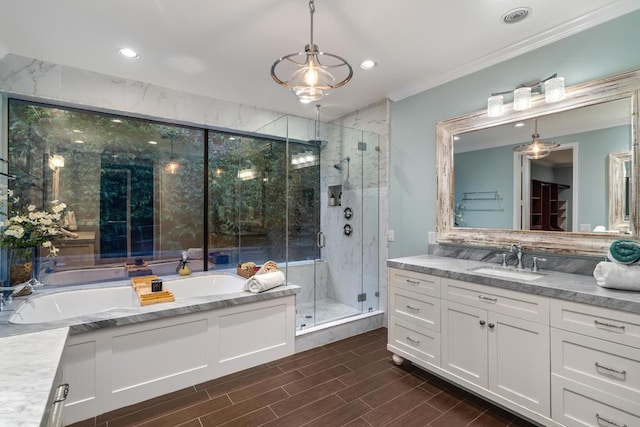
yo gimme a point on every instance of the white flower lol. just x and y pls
(31, 208)
(46, 244)
(15, 231)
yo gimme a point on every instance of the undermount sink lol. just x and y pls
(508, 273)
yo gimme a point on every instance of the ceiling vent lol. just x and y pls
(516, 15)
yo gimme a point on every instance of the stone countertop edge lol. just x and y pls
(566, 286)
(29, 366)
(132, 315)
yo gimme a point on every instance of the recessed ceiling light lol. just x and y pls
(368, 64)
(79, 141)
(128, 53)
(518, 125)
(153, 142)
(76, 131)
(116, 120)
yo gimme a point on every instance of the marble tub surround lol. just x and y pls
(29, 364)
(566, 286)
(560, 263)
(130, 315)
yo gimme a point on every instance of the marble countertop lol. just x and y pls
(31, 353)
(566, 286)
(29, 366)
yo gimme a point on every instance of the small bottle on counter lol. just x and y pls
(332, 200)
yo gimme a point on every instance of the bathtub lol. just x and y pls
(53, 306)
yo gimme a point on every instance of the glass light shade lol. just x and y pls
(554, 89)
(495, 105)
(312, 82)
(172, 167)
(538, 155)
(522, 98)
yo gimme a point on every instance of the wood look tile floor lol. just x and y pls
(352, 382)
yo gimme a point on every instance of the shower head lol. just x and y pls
(338, 166)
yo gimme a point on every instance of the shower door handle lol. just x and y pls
(321, 239)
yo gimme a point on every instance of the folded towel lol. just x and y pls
(264, 282)
(624, 251)
(617, 276)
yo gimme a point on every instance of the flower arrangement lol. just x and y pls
(28, 228)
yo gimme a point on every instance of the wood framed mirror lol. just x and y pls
(622, 88)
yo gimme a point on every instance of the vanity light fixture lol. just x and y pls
(553, 92)
(311, 78)
(536, 149)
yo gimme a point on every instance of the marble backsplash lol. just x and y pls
(561, 263)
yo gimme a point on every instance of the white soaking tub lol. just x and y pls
(53, 306)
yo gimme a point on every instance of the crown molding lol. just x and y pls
(569, 28)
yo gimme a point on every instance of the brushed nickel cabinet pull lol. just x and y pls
(613, 423)
(608, 325)
(482, 297)
(413, 308)
(413, 341)
(482, 323)
(413, 282)
(606, 368)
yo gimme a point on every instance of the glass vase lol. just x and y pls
(21, 265)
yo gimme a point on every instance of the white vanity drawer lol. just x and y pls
(420, 309)
(505, 301)
(612, 368)
(416, 282)
(574, 404)
(416, 342)
(599, 322)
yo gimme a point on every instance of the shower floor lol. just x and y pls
(326, 310)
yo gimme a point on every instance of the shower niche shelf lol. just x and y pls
(334, 195)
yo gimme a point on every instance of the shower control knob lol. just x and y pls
(347, 230)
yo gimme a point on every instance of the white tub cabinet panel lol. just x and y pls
(142, 357)
(577, 405)
(115, 367)
(255, 336)
(519, 361)
(464, 342)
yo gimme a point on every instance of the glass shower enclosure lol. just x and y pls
(331, 218)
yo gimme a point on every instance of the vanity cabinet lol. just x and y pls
(497, 339)
(595, 365)
(492, 341)
(414, 316)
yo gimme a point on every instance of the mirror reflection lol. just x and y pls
(570, 189)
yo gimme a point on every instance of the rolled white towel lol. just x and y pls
(264, 282)
(617, 276)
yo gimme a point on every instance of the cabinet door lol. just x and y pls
(519, 361)
(464, 342)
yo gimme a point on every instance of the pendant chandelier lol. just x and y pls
(311, 73)
(536, 149)
(173, 165)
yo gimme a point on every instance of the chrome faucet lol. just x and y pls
(517, 247)
(536, 260)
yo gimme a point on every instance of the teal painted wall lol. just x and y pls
(607, 49)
